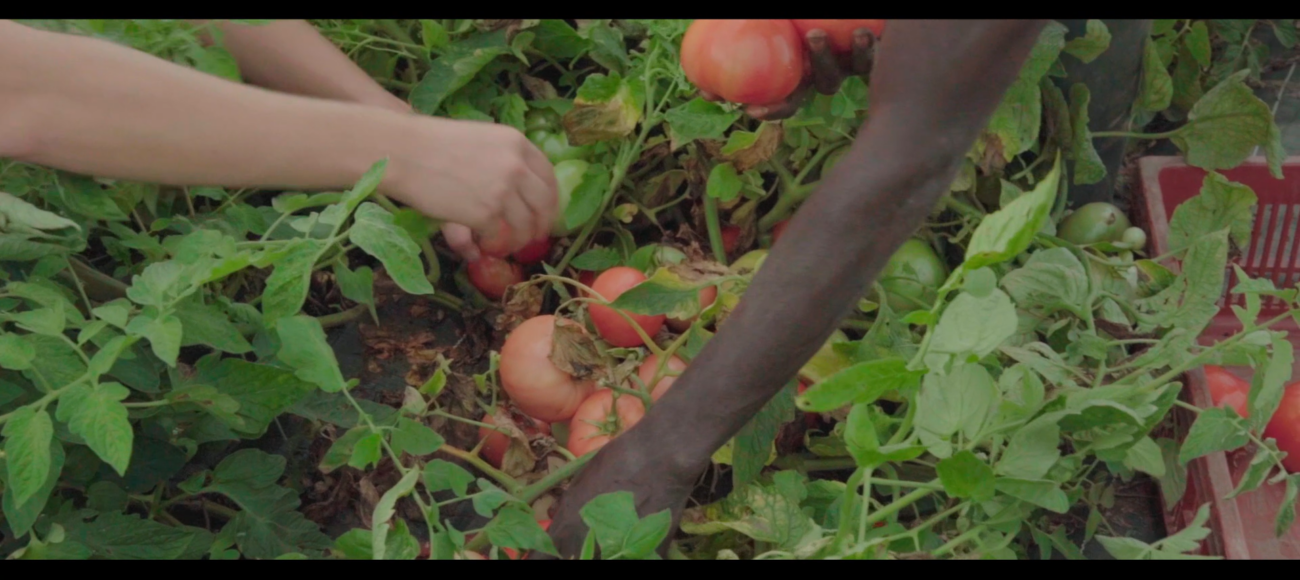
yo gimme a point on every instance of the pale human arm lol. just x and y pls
(90, 106)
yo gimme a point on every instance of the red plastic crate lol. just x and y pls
(1242, 528)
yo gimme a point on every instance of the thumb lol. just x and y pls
(461, 241)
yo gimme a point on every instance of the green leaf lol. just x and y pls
(613, 520)
(98, 416)
(286, 287)
(1092, 44)
(1216, 429)
(966, 476)
(367, 451)
(20, 517)
(206, 324)
(340, 452)
(860, 383)
(116, 312)
(1044, 494)
(130, 537)
(18, 211)
(28, 435)
(1157, 87)
(440, 475)
(357, 285)
(597, 259)
(665, 292)
(47, 321)
(1286, 511)
(555, 38)
(268, 524)
(699, 119)
(724, 183)
(1197, 41)
(753, 443)
(164, 334)
(971, 326)
(1260, 466)
(1226, 125)
(1007, 232)
(263, 391)
(83, 196)
(1016, 121)
(15, 353)
(456, 67)
(1220, 204)
(962, 401)
(415, 438)
(303, 347)
(375, 233)
(1145, 457)
(586, 198)
(1170, 548)
(518, 529)
(1267, 387)
(1033, 449)
(1088, 167)
(1050, 280)
(386, 509)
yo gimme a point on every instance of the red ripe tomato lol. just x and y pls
(587, 278)
(497, 246)
(611, 284)
(707, 296)
(496, 444)
(730, 239)
(1285, 427)
(534, 252)
(840, 32)
(591, 427)
(779, 229)
(752, 62)
(1227, 389)
(535, 385)
(492, 276)
(647, 373)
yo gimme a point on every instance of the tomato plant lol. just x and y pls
(601, 418)
(611, 325)
(533, 382)
(840, 32)
(493, 276)
(754, 62)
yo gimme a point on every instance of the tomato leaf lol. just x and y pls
(1145, 457)
(971, 327)
(861, 383)
(1220, 204)
(20, 516)
(440, 475)
(1032, 450)
(753, 443)
(962, 401)
(966, 476)
(1092, 44)
(415, 438)
(384, 511)
(597, 259)
(1286, 511)
(286, 287)
(303, 348)
(1044, 494)
(698, 119)
(586, 198)
(28, 435)
(724, 183)
(1050, 280)
(456, 67)
(358, 286)
(613, 521)
(1267, 387)
(268, 524)
(208, 325)
(1007, 232)
(1088, 167)
(15, 352)
(1157, 86)
(97, 415)
(518, 529)
(375, 233)
(1226, 125)
(17, 211)
(1215, 429)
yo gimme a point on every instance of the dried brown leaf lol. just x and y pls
(574, 351)
(540, 89)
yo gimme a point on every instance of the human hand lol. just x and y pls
(481, 178)
(825, 71)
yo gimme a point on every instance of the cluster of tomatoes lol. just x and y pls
(759, 62)
(1229, 390)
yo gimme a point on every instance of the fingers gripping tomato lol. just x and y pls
(646, 372)
(839, 32)
(536, 386)
(609, 323)
(752, 62)
(600, 419)
(493, 276)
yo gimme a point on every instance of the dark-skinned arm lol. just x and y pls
(935, 84)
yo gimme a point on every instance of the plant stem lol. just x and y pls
(344, 317)
(511, 484)
(715, 229)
